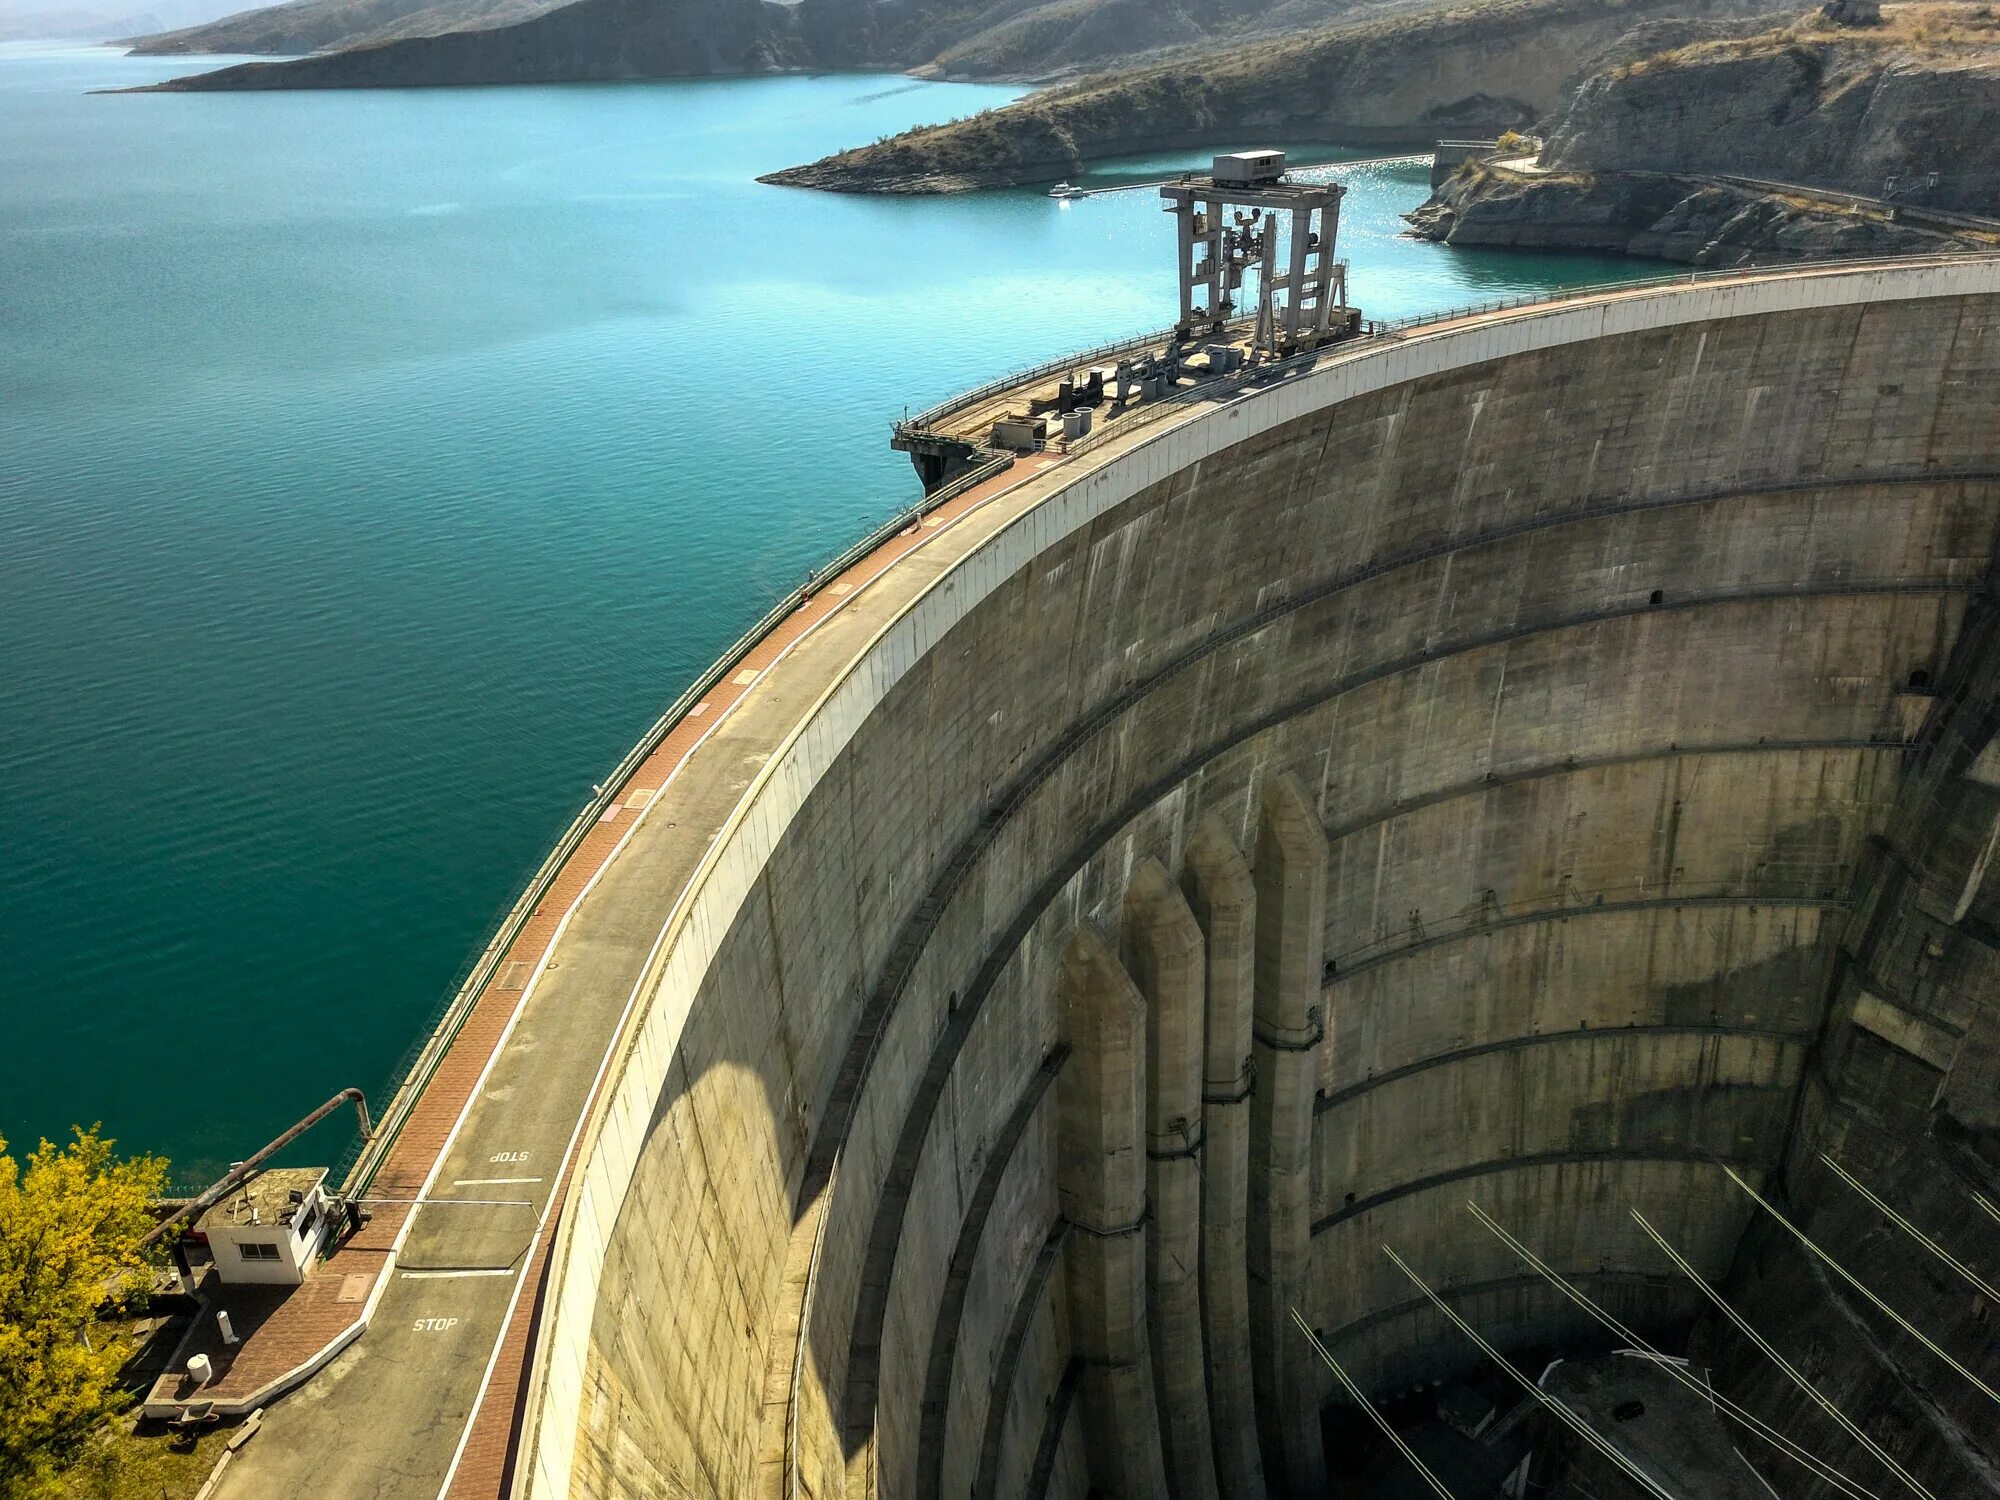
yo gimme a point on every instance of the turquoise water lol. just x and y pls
(373, 466)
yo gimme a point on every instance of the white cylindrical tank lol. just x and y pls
(222, 1322)
(200, 1370)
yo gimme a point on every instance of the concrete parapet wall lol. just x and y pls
(1618, 599)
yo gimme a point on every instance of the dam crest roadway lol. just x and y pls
(1531, 754)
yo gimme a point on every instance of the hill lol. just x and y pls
(951, 39)
(1879, 133)
(72, 20)
(1404, 78)
(1807, 102)
(587, 40)
(1013, 39)
(322, 25)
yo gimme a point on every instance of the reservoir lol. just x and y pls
(375, 465)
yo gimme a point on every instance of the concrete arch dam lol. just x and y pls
(1544, 760)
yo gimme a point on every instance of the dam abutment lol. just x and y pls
(1552, 678)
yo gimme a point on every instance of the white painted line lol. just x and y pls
(490, 1181)
(449, 1275)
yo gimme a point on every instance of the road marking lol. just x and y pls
(434, 1325)
(448, 1275)
(490, 1181)
(509, 1156)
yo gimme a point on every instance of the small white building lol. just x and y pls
(268, 1230)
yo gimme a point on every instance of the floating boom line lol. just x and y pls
(1722, 1306)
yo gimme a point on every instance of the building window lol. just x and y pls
(250, 1250)
(307, 1225)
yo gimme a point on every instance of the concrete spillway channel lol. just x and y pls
(1541, 758)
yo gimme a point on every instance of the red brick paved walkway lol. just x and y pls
(325, 1309)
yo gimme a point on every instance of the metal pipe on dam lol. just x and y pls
(1544, 759)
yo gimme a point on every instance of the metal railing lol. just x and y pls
(364, 1158)
(1374, 333)
(357, 1167)
(1373, 329)
(926, 419)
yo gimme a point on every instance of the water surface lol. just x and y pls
(375, 464)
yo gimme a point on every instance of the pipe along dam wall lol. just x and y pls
(1545, 761)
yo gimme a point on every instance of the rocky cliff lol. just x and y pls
(1676, 146)
(1812, 103)
(1406, 78)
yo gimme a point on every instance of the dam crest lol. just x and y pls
(1542, 759)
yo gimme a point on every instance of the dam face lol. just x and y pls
(1544, 762)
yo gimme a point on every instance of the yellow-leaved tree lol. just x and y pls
(71, 1222)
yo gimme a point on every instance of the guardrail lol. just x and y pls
(929, 418)
(358, 1166)
(365, 1158)
(1220, 387)
(1374, 329)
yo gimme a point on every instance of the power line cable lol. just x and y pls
(1797, 1379)
(1854, 1281)
(1917, 1234)
(1562, 1412)
(1737, 1412)
(1389, 1432)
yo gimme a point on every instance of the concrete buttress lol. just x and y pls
(1224, 900)
(1290, 869)
(1162, 947)
(1101, 1177)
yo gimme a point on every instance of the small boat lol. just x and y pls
(1065, 190)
